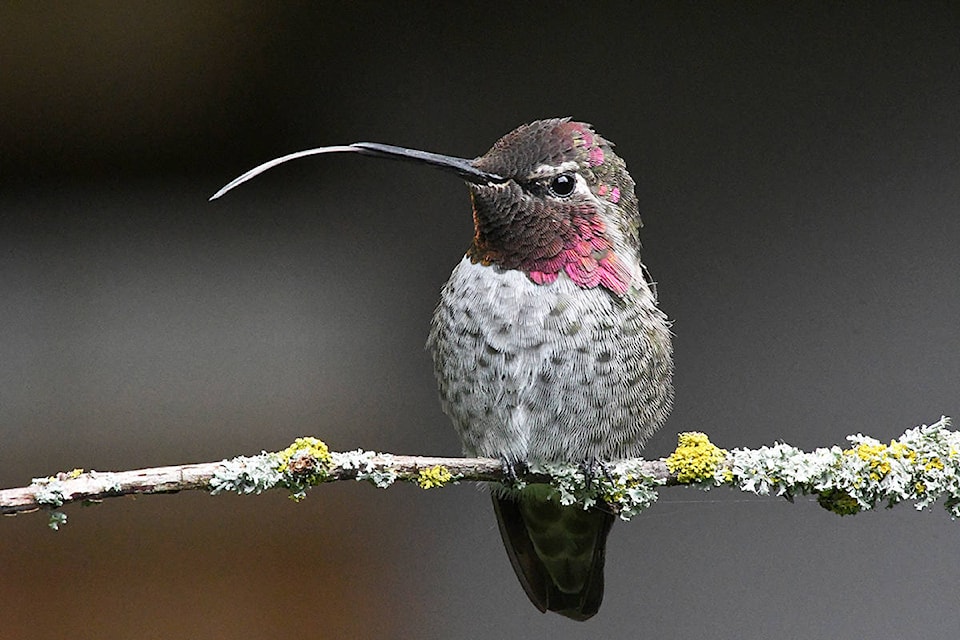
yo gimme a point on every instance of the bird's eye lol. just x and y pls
(563, 185)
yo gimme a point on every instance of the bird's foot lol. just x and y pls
(590, 466)
(512, 469)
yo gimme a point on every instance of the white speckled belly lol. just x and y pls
(549, 372)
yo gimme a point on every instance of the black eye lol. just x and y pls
(563, 185)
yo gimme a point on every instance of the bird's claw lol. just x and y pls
(511, 469)
(589, 468)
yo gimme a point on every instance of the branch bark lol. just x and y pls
(922, 466)
(94, 486)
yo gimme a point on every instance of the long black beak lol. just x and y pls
(460, 166)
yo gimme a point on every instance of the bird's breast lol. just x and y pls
(551, 371)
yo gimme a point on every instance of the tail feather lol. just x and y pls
(557, 551)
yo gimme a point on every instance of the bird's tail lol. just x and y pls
(557, 551)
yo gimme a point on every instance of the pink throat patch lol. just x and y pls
(589, 261)
(608, 272)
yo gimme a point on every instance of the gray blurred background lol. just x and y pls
(798, 169)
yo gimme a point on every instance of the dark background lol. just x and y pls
(798, 168)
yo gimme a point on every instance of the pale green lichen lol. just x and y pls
(779, 469)
(695, 459)
(435, 476)
(49, 491)
(303, 464)
(620, 486)
(922, 465)
(568, 480)
(49, 495)
(247, 474)
(363, 462)
(57, 520)
(631, 491)
(109, 480)
(52, 491)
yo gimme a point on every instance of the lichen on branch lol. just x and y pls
(922, 466)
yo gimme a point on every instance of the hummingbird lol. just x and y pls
(547, 343)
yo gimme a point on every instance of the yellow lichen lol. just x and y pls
(867, 451)
(435, 476)
(878, 456)
(618, 492)
(76, 473)
(900, 450)
(615, 496)
(303, 449)
(695, 458)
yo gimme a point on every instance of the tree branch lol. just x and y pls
(923, 465)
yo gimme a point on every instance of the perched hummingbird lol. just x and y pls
(547, 344)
